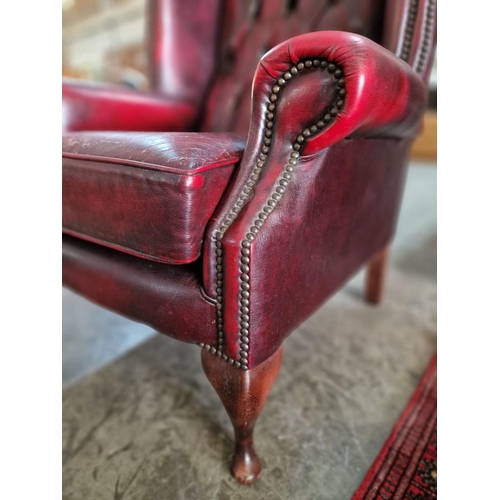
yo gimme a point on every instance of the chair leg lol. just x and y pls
(243, 394)
(375, 277)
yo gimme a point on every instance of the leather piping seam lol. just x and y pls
(428, 29)
(129, 251)
(409, 31)
(190, 172)
(280, 188)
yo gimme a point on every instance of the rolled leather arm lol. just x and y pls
(309, 94)
(383, 96)
(90, 106)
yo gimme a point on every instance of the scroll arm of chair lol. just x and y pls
(384, 96)
(93, 106)
(309, 94)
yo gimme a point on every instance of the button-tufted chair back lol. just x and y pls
(252, 27)
(207, 51)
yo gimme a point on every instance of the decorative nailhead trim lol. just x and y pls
(410, 28)
(282, 183)
(244, 296)
(243, 197)
(280, 187)
(428, 29)
(220, 354)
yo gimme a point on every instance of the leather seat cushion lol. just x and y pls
(146, 194)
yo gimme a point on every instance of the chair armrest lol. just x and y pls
(382, 95)
(90, 106)
(308, 207)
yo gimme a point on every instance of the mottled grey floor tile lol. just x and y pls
(150, 426)
(93, 336)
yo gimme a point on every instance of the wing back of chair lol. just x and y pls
(182, 45)
(206, 51)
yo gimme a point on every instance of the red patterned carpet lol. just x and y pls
(406, 467)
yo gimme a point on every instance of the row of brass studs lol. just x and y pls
(244, 195)
(410, 28)
(281, 186)
(242, 198)
(218, 297)
(220, 354)
(429, 25)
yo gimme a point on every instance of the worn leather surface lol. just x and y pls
(148, 194)
(91, 106)
(251, 28)
(168, 298)
(337, 212)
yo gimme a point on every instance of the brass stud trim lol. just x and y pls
(428, 30)
(280, 188)
(409, 31)
(218, 352)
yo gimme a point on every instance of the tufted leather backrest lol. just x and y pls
(207, 51)
(249, 28)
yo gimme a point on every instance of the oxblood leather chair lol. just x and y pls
(237, 209)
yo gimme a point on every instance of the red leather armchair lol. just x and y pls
(264, 170)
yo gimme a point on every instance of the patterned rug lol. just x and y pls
(406, 467)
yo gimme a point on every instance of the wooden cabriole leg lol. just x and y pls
(243, 394)
(375, 277)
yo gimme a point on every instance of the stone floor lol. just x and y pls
(140, 420)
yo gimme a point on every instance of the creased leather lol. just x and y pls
(167, 298)
(148, 194)
(92, 106)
